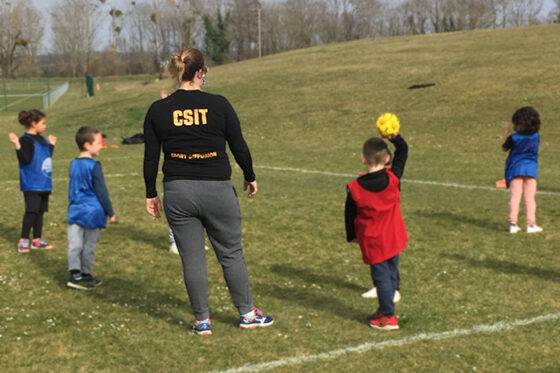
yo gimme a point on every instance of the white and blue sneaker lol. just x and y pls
(255, 319)
(202, 327)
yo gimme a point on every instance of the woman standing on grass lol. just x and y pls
(192, 127)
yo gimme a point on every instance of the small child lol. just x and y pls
(35, 176)
(374, 220)
(88, 208)
(521, 165)
(401, 153)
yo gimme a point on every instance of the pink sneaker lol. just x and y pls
(23, 245)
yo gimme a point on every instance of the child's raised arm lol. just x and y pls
(401, 155)
(14, 140)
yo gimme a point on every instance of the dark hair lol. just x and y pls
(375, 151)
(85, 135)
(526, 121)
(28, 117)
(184, 65)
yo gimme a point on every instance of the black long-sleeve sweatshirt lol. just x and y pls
(192, 128)
(375, 182)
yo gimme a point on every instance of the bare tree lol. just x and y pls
(74, 27)
(554, 15)
(20, 35)
(368, 17)
(525, 12)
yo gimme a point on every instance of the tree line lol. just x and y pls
(143, 34)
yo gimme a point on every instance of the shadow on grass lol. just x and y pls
(320, 299)
(10, 233)
(507, 267)
(450, 217)
(158, 241)
(314, 278)
(125, 293)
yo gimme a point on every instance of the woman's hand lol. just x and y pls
(14, 140)
(52, 140)
(252, 188)
(153, 206)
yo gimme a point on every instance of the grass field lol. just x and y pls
(311, 110)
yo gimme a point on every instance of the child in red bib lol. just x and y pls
(374, 220)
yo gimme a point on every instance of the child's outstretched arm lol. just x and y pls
(350, 212)
(401, 155)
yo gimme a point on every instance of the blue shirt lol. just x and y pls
(523, 156)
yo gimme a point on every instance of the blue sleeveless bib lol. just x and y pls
(37, 175)
(84, 207)
(523, 157)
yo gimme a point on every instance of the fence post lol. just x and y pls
(5, 95)
(48, 93)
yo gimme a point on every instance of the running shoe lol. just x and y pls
(38, 243)
(202, 327)
(385, 323)
(92, 280)
(23, 245)
(258, 319)
(75, 281)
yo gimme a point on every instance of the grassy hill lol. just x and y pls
(310, 110)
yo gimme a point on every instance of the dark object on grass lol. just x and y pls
(134, 139)
(423, 85)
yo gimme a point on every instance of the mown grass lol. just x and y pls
(310, 109)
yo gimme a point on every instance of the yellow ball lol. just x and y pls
(388, 124)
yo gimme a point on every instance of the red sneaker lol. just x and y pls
(385, 323)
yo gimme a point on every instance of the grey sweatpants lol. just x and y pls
(193, 206)
(81, 246)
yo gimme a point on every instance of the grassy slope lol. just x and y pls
(310, 109)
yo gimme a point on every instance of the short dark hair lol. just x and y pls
(28, 117)
(526, 121)
(375, 151)
(85, 135)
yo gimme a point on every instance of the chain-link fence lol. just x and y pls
(18, 94)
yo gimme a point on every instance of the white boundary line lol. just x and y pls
(427, 182)
(65, 178)
(422, 337)
(326, 173)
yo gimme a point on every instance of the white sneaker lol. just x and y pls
(173, 248)
(371, 293)
(533, 229)
(514, 228)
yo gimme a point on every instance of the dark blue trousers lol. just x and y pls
(385, 279)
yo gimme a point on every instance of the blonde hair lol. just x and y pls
(184, 65)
